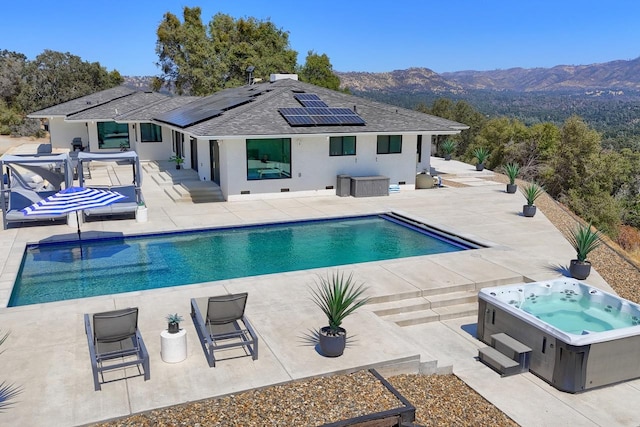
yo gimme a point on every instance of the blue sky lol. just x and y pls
(374, 36)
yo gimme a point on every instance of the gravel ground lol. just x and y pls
(439, 399)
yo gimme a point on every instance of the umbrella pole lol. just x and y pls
(79, 236)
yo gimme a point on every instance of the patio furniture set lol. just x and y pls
(115, 341)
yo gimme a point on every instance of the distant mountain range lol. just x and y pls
(613, 77)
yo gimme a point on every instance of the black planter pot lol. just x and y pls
(177, 166)
(579, 269)
(480, 167)
(511, 188)
(529, 210)
(174, 328)
(332, 345)
(447, 156)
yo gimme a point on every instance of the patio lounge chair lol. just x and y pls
(115, 342)
(225, 325)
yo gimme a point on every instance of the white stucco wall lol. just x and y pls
(150, 150)
(62, 133)
(312, 168)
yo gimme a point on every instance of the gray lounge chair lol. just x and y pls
(225, 325)
(115, 342)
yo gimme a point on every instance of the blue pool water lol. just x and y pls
(56, 271)
(575, 313)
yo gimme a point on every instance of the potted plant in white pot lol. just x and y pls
(448, 147)
(584, 239)
(174, 323)
(511, 170)
(178, 160)
(481, 154)
(531, 192)
(337, 297)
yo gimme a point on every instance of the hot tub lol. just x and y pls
(581, 337)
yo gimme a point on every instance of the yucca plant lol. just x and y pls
(584, 239)
(511, 170)
(448, 147)
(337, 297)
(531, 192)
(481, 154)
(7, 391)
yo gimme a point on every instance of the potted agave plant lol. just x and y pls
(337, 297)
(481, 154)
(174, 323)
(511, 170)
(531, 192)
(448, 147)
(584, 239)
(178, 160)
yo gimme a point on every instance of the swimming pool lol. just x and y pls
(55, 271)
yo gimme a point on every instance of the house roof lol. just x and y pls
(118, 106)
(260, 115)
(83, 103)
(148, 111)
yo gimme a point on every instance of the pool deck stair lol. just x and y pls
(182, 185)
(506, 355)
(434, 304)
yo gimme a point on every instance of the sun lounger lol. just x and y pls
(115, 342)
(225, 325)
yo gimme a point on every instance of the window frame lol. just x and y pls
(159, 133)
(388, 144)
(102, 133)
(341, 141)
(281, 162)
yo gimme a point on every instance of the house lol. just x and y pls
(283, 136)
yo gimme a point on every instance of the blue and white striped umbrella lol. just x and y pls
(72, 199)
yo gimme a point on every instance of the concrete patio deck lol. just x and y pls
(46, 353)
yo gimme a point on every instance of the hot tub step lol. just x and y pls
(498, 361)
(512, 348)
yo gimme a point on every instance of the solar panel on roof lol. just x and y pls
(314, 104)
(300, 120)
(352, 119)
(204, 109)
(317, 112)
(326, 120)
(185, 118)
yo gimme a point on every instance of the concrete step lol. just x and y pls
(410, 304)
(197, 193)
(437, 314)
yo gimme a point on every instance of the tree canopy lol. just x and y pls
(50, 79)
(199, 60)
(318, 71)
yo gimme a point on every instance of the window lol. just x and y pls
(342, 146)
(150, 132)
(113, 135)
(268, 158)
(388, 144)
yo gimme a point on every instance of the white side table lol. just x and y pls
(173, 347)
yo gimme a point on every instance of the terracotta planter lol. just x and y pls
(332, 345)
(579, 269)
(529, 210)
(511, 188)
